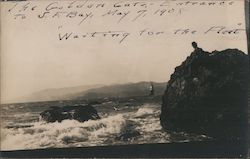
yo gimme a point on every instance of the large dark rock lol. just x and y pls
(207, 94)
(80, 113)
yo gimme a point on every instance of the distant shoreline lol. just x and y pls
(90, 92)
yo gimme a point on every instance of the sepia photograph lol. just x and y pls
(124, 79)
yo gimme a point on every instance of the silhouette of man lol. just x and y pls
(194, 44)
(197, 52)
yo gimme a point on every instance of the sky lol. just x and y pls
(34, 59)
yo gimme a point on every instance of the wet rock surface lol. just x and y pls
(207, 94)
(79, 113)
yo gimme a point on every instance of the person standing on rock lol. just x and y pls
(195, 46)
(196, 53)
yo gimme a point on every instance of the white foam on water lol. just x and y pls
(66, 133)
(144, 111)
(71, 133)
(149, 118)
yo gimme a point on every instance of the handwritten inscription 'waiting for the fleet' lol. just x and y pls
(69, 16)
(122, 35)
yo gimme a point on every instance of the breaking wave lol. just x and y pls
(71, 133)
(68, 132)
(144, 111)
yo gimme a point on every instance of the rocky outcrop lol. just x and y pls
(207, 94)
(80, 113)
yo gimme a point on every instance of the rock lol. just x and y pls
(207, 94)
(80, 113)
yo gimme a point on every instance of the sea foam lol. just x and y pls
(68, 132)
(71, 133)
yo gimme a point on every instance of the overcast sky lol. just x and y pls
(33, 59)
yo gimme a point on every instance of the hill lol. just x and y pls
(55, 94)
(123, 90)
(95, 91)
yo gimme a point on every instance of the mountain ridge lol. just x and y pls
(94, 91)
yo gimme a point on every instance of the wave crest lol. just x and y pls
(70, 132)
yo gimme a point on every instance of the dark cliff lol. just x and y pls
(207, 94)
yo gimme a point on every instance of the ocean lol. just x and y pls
(121, 123)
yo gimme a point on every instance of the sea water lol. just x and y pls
(22, 128)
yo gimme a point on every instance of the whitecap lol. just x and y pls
(65, 134)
